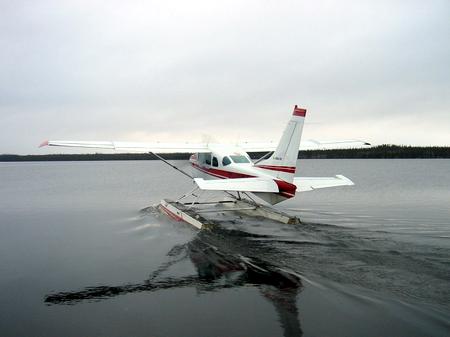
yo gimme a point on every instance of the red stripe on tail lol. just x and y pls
(299, 112)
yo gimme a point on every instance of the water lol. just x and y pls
(78, 257)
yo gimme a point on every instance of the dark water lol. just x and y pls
(78, 258)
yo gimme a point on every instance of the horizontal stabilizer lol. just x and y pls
(239, 185)
(312, 183)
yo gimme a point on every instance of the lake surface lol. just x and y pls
(79, 258)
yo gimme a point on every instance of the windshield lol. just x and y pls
(240, 159)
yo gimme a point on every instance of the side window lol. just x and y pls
(226, 161)
(204, 158)
(215, 162)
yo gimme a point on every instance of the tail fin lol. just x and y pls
(283, 161)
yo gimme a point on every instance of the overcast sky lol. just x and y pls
(188, 70)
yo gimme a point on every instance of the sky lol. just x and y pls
(223, 70)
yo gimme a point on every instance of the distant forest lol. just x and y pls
(380, 152)
(375, 152)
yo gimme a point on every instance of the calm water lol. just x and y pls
(79, 258)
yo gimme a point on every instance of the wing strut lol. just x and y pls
(171, 165)
(267, 155)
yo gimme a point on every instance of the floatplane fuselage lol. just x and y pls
(228, 162)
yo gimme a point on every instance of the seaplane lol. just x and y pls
(228, 168)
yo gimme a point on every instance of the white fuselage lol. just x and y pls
(227, 162)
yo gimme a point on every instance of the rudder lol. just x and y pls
(283, 161)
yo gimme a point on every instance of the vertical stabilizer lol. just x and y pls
(282, 163)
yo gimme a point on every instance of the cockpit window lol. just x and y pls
(215, 162)
(238, 159)
(226, 161)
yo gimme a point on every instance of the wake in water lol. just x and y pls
(276, 258)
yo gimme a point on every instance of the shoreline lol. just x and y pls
(376, 152)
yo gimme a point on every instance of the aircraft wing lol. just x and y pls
(164, 147)
(156, 147)
(238, 185)
(312, 183)
(305, 145)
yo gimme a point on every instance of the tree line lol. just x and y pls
(375, 152)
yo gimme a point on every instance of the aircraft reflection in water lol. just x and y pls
(215, 256)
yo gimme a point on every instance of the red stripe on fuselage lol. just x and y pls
(222, 174)
(287, 169)
(285, 189)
